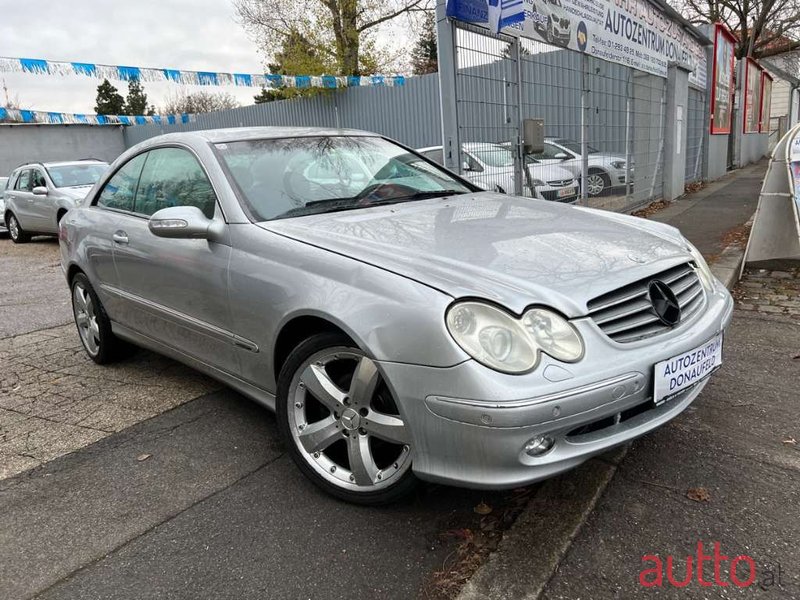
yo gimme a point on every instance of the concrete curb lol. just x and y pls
(532, 549)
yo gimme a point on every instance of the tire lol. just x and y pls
(15, 231)
(597, 182)
(93, 324)
(341, 423)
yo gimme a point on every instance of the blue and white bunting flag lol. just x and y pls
(10, 115)
(127, 73)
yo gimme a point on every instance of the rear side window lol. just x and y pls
(173, 177)
(119, 191)
(24, 180)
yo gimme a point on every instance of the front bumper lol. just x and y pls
(469, 424)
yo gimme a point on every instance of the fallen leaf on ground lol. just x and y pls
(698, 494)
(142, 457)
(790, 441)
(482, 509)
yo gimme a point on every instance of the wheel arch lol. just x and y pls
(300, 327)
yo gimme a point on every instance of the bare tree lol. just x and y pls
(336, 28)
(184, 101)
(763, 28)
(10, 101)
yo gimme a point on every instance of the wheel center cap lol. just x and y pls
(350, 419)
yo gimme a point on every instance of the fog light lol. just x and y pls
(541, 444)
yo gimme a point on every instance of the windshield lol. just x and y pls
(495, 156)
(290, 177)
(76, 175)
(575, 146)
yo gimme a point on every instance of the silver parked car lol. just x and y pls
(3, 182)
(606, 170)
(39, 194)
(402, 323)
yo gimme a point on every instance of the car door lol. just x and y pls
(22, 201)
(115, 199)
(553, 157)
(175, 291)
(43, 205)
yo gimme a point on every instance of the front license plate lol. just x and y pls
(564, 192)
(674, 375)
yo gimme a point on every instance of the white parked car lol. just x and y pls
(491, 166)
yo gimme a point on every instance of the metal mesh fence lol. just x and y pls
(696, 119)
(499, 83)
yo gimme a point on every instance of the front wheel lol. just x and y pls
(94, 326)
(18, 235)
(342, 425)
(597, 183)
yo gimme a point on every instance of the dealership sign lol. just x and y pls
(634, 33)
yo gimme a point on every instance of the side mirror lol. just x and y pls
(39, 190)
(562, 156)
(182, 222)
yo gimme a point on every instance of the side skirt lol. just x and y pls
(257, 394)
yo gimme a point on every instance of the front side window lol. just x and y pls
(24, 181)
(76, 175)
(436, 156)
(119, 192)
(173, 177)
(291, 177)
(37, 179)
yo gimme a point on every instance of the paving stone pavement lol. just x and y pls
(55, 400)
(769, 292)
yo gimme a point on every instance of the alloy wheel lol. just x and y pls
(86, 318)
(13, 227)
(345, 423)
(595, 184)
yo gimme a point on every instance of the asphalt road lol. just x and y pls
(215, 510)
(33, 293)
(739, 444)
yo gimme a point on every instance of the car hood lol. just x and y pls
(514, 251)
(75, 193)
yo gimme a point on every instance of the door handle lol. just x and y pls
(120, 237)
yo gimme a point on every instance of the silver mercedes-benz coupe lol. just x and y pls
(403, 324)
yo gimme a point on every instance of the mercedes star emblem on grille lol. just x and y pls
(665, 303)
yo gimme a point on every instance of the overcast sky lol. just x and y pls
(183, 34)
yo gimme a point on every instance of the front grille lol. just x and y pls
(553, 195)
(560, 182)
(626, 314)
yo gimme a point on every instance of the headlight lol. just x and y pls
(619, 164)
(703, 270)
(508, 344)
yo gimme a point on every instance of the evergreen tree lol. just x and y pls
(297, 56)
(109, 101)
(136, 103)
(424, 57)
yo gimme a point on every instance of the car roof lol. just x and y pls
(238, 134)
(61, 163)
(468, 146)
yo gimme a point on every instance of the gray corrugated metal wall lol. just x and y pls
(409, 114)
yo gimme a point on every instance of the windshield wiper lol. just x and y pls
(418, 196)
(340, 204)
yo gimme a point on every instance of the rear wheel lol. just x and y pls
(18, 235)
(342, 425)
